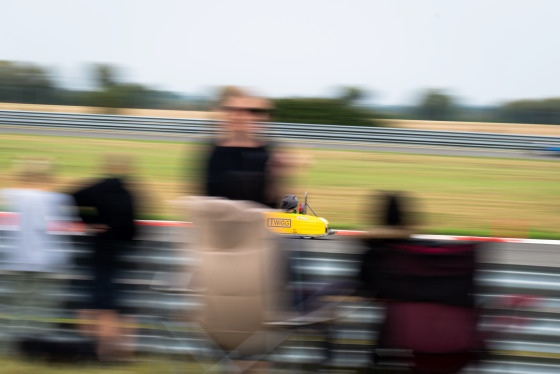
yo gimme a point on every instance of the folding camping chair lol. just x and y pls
(240, 278)
(431, 322)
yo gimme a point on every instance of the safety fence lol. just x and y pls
(524, 298)
(280, 131)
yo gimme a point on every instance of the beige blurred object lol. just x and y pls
(33, 172)
(242, 115)
(510, 228)
(241, 274)
(118, 163)
(49, 108)
(229, 92)
(485, 127)
(295, 160)
(122, 111)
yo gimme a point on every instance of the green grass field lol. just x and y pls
(458, 195)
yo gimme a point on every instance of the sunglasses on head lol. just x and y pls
(244, 109)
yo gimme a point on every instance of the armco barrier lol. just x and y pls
(529, 322)
(290, 131)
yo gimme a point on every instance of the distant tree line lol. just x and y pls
(546, 111)
(341, 110)
(437, 105)
(34, 84)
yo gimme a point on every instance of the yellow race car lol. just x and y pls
(297, 223)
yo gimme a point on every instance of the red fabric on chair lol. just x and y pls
(430, 328)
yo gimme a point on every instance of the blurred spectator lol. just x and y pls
(32, 253)
(241, 162)
(427, 288)
(109, 215)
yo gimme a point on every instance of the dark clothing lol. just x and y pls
(113, 206)
(428, 288)
(416, 270)
(239, 173)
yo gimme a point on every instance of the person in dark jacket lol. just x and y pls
(241, 165)
(108, 209)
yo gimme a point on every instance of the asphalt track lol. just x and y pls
(506, 252)
(533, 253)
(429, 150)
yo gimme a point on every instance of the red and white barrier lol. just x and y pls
(9, 220)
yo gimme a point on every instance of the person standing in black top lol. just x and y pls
(241, 165)
(109, 213)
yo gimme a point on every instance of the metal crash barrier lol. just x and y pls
(523, 304)
(282, 131)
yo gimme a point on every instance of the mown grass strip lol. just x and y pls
(458, 195)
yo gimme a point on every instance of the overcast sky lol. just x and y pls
(484, 52)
